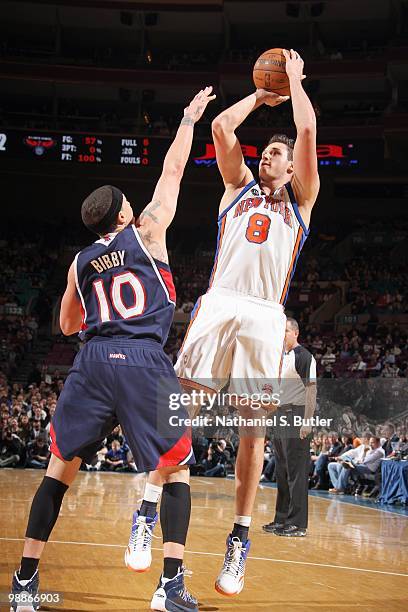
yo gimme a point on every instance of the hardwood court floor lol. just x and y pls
(352, 556)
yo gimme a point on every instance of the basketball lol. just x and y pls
(269, 72)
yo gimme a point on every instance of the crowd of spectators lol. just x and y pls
(377, 285)
(381, 351)
(349, 462)
(24, 304)
(26, 413)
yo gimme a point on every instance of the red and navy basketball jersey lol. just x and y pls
(123, 290)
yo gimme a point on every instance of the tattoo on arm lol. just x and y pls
(148, 212)
(187, 121)
(156, 250)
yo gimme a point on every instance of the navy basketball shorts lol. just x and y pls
(128, 382)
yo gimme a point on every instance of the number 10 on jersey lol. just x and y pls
(115, 299)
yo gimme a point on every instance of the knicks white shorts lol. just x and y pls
(232, 339)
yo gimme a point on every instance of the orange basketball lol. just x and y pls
(270, 72)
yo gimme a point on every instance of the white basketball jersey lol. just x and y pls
(259, 242)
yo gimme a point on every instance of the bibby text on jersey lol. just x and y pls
(123, 290)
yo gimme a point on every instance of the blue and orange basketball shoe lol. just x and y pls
(230, 580)
(138, 555)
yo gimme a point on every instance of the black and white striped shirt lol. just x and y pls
(298, 371)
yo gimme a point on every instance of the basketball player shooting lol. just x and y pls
(237, 328)
(120, 297)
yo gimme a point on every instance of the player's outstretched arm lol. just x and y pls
(235, 173)
(160, 212)
(306, 178)
(70, 313)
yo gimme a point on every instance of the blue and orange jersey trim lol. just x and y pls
(300, 240)
(301, 237)
(221, 231)
(237, 199)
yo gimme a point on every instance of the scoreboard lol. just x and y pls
(75, 148)
(72, 148)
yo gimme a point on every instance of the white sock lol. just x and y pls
(245, 521)
(152, 493)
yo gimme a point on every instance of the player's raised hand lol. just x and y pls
(294, 64)
(199, 103)
(270, 98)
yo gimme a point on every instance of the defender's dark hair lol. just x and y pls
(293, 323)
(289, 142)
(100, 209)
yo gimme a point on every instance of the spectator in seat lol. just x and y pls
(17, 409)
(323, 460)
(318, 445)
(347, 442)
(388, 437)
(25, 429)
(369, 470)
(52, 409)
(11, 449)
(15, 427)
(214, 465)
(35, 430)
(329, 357)
(361, 463)
(115, 457)
(38, 453)
(38, 414)
(359, 365)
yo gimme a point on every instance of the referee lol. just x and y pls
(291, 441)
